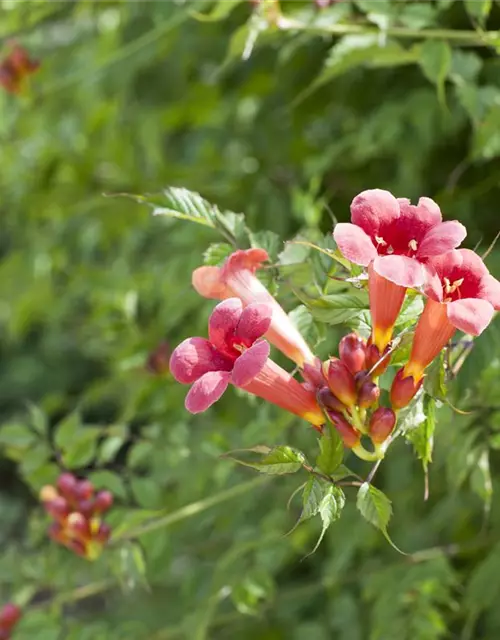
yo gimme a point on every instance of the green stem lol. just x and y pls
(192, 509)
(468, 37)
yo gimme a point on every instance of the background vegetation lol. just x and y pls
(285, 119)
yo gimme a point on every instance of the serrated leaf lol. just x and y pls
(278, 461)
(334, 308)
(82, 448)
(17, 435)
(376, 508)
(331, 451)
(413, 415)
(303, 321)
(67, 429)
(216, 253)
(486, 142)
(267, 240)
(38, 419)
(435, 379)
(422, 437)
(311, 497)
(329, 509)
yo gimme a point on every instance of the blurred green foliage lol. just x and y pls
(285, 118)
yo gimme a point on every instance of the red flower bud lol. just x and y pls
(48, 493)
(313, 375)
(56, 533)
(158, 360)
(341, 381)
(373, 356)
(58, 508)
(352, 350)
(78, 525)
(103, 533)
(368, 394)
(103, 501)
(66, 483)
(86, 508)
(381, 424)
(403, 389)
(10, 615)
(350, 437)
(77, 547)
(327, 400)
(84, 490)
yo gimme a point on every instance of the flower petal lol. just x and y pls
(255, 320)
(222, 324)
(194, 357)
(250, 363)
(470, 315)
(401, 270)
(354, 244)
(208, 283)
(433, 287)
(372, 208)
(442, 238)
(207, 390)
(250, 259)
(490, 290)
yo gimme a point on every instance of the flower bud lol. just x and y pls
(66, 484)
(313, 375)
(86, 508)
(84, 490)
(56, 533)
(58, 508)
(78, 525)
(381, 424)
(77, 547)
(341, 381)
(368, 394)
(103, 501)
(373, 356)
(48, 493)
(327, 400)
(403, 389)
(350, 437)
(352, 350)
(103, 533)
(9, 615)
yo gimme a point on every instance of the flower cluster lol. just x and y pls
(76, 509)
(16, 68)
(403, 247)
(10, 615)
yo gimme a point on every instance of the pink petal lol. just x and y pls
(207, 390)
(401, 270)
(373, 208)
(442, 238)
(354, 243)
(250, 259)
(430, 210)
(254, 322)
(250, 363)
(470, 315)
(490, 290)
(433, 287)
(208, 283)
(194, 357)
(223, 322)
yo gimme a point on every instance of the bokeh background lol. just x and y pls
(286, 125)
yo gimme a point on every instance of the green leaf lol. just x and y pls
(465, 67)
(140, 454)
(311, 497)
(410, 312)
(82, 448)
(435, 61)
(331, 451)
(38, 419)
(376, 508)
(105, 479)
(480, 478)
(435, 379)
(147, 492)
(278, 461)
(109, 448)
(478, 10)
(67, 429)
(132, 519)
(302, 319)
(413, 415)
(216, 253)
(422, 437)
(334, 308)
(329, 509)
(359, 50)
(486, 142)
(252, 590)
(17, 435)
(267, 240)
(129, 565)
